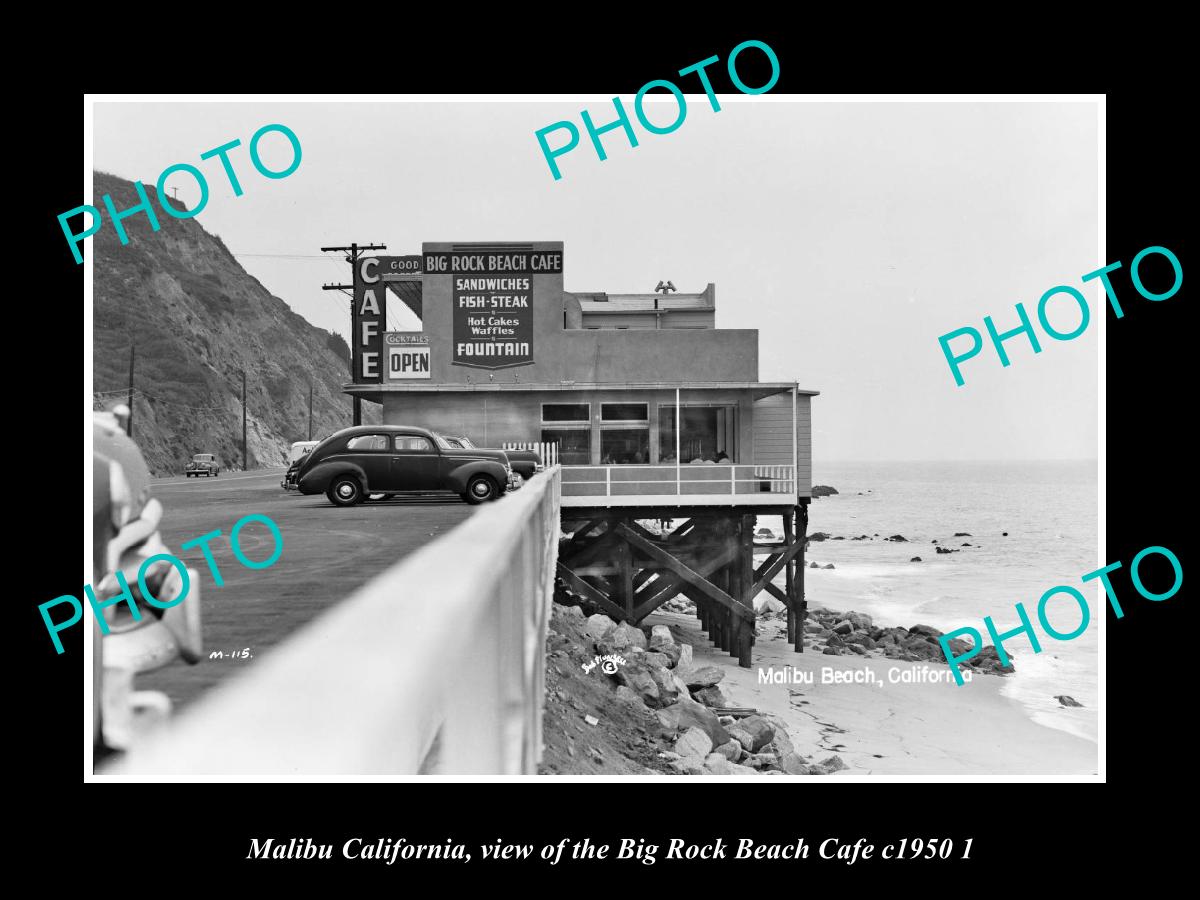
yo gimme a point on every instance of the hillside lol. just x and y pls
(199, 320)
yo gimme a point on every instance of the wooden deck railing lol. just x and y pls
(434, 667)
(686, 484)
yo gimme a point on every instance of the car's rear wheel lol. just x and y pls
(345, 491)
(480, 489)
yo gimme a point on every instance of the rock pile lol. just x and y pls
(842, 634)
(659, 674)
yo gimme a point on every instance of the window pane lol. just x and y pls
(624, 446)
(706, 434)
(565, 412)
(412, 442)
(624, 412)
(574, 444)
(368, 442)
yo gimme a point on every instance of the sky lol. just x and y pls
(851, 235)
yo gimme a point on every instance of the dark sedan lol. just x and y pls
(525, 463)
(366, 460)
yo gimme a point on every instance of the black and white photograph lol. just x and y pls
(535, 437)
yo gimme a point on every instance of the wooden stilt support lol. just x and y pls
(625, 578)
(801, 537)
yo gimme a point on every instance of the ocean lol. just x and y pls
(1049, 511)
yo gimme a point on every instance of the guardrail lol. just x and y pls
(434, 667)
(689, 479)
(546, 450)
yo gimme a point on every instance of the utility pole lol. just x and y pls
(354, 249)
(245, 458)
(310, 411)
(129, 421)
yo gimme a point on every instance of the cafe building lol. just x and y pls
(654, 414)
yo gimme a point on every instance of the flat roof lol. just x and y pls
(765, 387)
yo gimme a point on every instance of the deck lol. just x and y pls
(684, 485)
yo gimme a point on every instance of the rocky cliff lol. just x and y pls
(198, 321)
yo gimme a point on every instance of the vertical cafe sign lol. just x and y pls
(367, 323)
(492, 294)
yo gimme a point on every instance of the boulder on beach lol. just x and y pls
(791, 763)
(813, 565)
(599, 625)
(687, 713)
(962, 534)
(827, 566)
(859, 620)
(694, 742)
(1004, 533)
(898, 538)
(967, 545)
(752, 732)
(731, 750)
(710, 696)
(1067, 701)
(823, 490)
(828, 766)
(661, 638)
(705, 676)
(685, 657)
(926, 631)
(944, 550)
(638, 679)
(818, 536)
(915, 559)
(717, 764)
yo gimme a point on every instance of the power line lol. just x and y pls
(280, 255)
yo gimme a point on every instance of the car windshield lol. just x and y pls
(443, 442)
(465, 443)
(202, 457)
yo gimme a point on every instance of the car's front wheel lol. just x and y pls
(345, 491)
(480, 489)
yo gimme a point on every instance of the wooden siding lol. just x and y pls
(772, 422)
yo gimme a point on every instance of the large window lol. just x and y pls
(569, 425)
(707, 434)
(624, 433)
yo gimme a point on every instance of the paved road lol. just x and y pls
(327, 553)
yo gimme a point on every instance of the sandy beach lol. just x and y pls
(904, 729)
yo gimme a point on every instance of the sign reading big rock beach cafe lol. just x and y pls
(492, 301)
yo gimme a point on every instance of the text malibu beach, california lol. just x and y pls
(830, 675)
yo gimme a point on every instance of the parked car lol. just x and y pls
(357, 462)
(202, 464)
(525, 463)
(300, 449)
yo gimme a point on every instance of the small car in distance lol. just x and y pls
(202, 464)
(356, 463)
(525, 463)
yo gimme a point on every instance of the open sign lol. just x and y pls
(408, 361)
